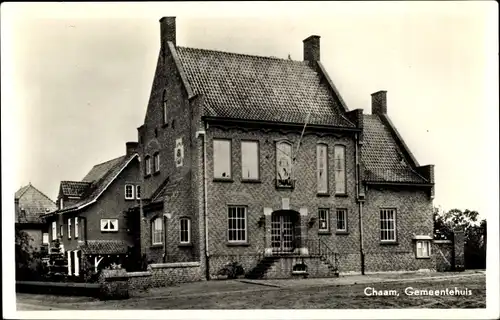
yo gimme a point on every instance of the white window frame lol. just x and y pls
(421, 244)
(147, 163)
(343, 212)
(188, 231)
(340, 169)
(326, 219)
(131, 187)
(225, 173)
(250, 163)
(69, 228)
(76, 227)
(138, 192)
(384, 219)
(156, 162)
(155, 231)
(45, 238)
(322, 163)
(109, 221)
(234, 224)
(54, 230)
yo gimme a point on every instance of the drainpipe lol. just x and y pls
(205, 200)
(360, 203)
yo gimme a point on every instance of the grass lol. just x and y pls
(248, 296)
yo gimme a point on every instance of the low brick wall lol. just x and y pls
(138, 281)
(443, 251)
(164, 274)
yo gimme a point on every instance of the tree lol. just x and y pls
(28, 262)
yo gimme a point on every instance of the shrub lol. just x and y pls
(232, 270)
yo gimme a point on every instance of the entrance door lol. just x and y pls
(282, 233)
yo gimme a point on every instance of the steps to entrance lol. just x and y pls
(262, 267)
(282, 267)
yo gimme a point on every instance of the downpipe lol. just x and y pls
(360, 203)
(205, 203)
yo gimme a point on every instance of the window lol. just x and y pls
(147, 161)
(284, 164)
(54, 230)
(340, 178)
(157, 231)
(250, 160)
(69, 228)
(185, 230)
(138, 192)
(61, 231)
(237, 227)
(157, 162)
(61, 204)
(76, 227)
(129, 191)
(165, 119)
(322, 167)
(222, 159)
(45, 238)
(342, 220)
(323, 215)
(423, 249)
(109, 224)
(388, 225)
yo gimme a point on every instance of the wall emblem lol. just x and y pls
(179, 152)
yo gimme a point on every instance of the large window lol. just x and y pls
(340, 176)
(237, 224)
(323, 219)
(76, 227)
(156, 157)
(423, 249)
(250, 160)
(109, 225)
(322, 167)
(388, 225)
(129, 192)
(147, 163)
(222, 158)
(341, 220)
(157, 231)
(284, 164)
(185, 230)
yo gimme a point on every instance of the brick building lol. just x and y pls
(258, 160)
(91, 220)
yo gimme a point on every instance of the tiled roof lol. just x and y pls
(99, 170)
(105, 247)
(74, 188)
(32, 204)
(97, 187)
(382, 158)
(260, 88)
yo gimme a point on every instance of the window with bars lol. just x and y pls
(222, 158)
(423, 249)
(69, 228)
(129, 191)
(342, 220)
(388, 225)
(157, 231)
(147, 161)
(237, 224)
(323, 220)
(322, 167)
(76, 227)
(185, 230)
(250, 160)
(340, 174)
(109, 224)
(156, 157)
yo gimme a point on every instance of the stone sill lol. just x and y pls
(223, 180)
(237, 244)
(389, 243)
(423, 257)
(251, 181)
(324, 232)
(443, 241)
(156, 246)
(185, 244)
(342, 195)
(320, 194)
(139, 274)
(174, 265)
(342, 232)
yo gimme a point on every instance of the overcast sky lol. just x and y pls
(79, 77)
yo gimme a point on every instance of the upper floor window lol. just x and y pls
(69, 228)
(157, 231)
(222, 158)
(322, 167)
(157, 161)
(54, 230)
(129, 192)
(164, 105)
(76, 227)
(237, 224)
(147, 163)
(138, 192)
(341, 220)
(340, 174)
(388, 225)
(109, 224)
(284, 164)
(323, 219)
(185, 230)
(250, 160)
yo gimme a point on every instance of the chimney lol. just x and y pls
(167, 30)
(379, 102)
(311, 48)
(131, 148)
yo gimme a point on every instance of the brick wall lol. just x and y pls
(164, 274)
(283, 268)
(443, 252)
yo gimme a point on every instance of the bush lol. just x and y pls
(232, 270)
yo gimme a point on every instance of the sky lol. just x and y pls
(79, 78)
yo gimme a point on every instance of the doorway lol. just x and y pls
(283, 231)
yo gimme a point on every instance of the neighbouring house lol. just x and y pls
(30, 205)
(258, 160)
(91, 221)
